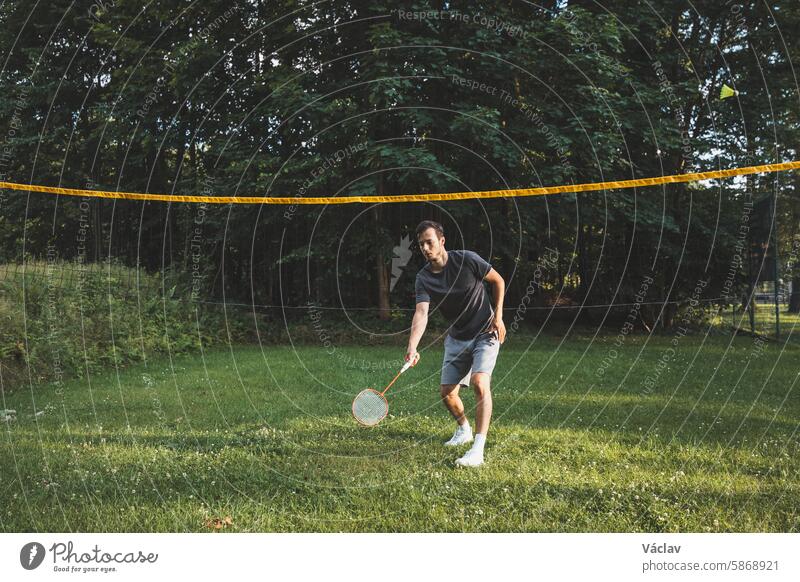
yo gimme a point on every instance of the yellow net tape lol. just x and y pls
(616, 185)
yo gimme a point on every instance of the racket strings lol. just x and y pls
(370, 407)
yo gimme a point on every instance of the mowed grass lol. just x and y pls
(580, 442)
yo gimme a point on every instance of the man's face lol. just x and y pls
(430, 244)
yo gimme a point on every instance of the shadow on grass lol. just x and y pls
(703, 423)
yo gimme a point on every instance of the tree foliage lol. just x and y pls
(289, 98)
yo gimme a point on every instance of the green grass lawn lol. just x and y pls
(579, 442)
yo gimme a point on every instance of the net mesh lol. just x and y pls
(370, 407)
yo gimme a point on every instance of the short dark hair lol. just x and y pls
(426, 224)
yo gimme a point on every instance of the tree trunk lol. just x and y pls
(381, 268)
(583, 262)
(669, 315)
(794, 298)
(383, 288)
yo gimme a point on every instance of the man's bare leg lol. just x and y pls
(453, 403)
(481, 384)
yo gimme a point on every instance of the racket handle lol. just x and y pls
(405, 367)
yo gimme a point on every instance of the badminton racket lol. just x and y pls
(370, 406)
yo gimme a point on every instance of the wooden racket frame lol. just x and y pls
(405, 367)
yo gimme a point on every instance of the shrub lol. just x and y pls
(60, 320)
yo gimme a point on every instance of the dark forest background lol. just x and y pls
(279, 98)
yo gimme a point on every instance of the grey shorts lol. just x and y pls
(462, 358)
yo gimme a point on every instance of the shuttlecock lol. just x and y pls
(726, 92)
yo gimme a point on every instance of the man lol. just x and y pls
(453, 280)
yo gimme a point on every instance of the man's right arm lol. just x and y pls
(418, 325)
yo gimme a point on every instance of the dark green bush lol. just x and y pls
(61, 320)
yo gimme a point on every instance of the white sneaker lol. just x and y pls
(472, 458)
(460, 437)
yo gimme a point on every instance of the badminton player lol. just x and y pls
(454, 282)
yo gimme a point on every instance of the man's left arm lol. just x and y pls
(498, 291)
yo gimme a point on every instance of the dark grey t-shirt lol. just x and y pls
(458, 290)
